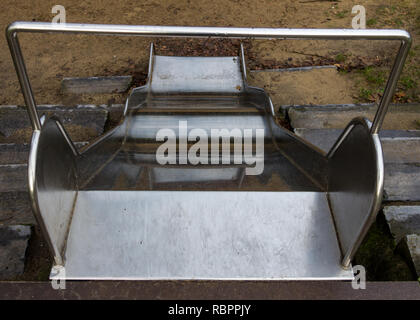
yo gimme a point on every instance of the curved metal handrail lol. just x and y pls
(202, 32)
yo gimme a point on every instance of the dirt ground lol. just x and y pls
(298, 88)
(49, 58)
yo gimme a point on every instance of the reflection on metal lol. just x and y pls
(112, 211)
(203, 235)
(356, 180)
(53, 183)
(184, 74)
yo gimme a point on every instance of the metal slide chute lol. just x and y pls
(114, 211)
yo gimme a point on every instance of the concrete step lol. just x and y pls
(18, 153)
(14, 153)
(112, 84)
(83, 122)
(15, 208)
(399, 146)
(402, 182)
(13, 166)
(399, 117)
(13, 177)
(13, 244)
(402, 220)
(14, 200)
(411, 243)
(401, 150)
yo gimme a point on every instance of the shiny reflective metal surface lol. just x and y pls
(355, 187)
(127, 156)
(53, 184)
(203, 235)
(175, 74)
(113, 211)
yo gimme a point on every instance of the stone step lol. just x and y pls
(83, 122)
(411, 242)
(401, 150)
(399, 146)
(402, 182)
(14, 153)
(112, 84)
(13, 244)
(18, 153)
(13, 177)
(402, 220)
(15, 208)
(406, 117)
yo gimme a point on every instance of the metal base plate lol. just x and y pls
(203, 235)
